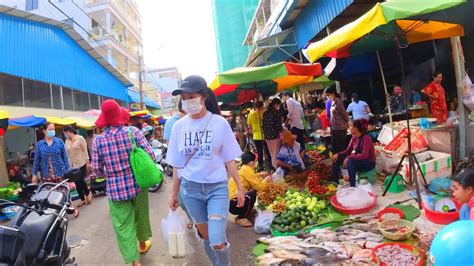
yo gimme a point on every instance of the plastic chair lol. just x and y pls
(371, 176)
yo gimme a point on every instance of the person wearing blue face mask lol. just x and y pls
(50, 158)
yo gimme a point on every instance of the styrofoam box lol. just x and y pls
(439, 166)
(386, 135)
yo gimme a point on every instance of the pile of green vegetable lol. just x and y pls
(301, 210)
(8, 191)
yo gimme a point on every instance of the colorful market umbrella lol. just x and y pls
(3, 122)
(386, 21)
(91, 112)
(140, 113)
(60, 121)
(26, 121)
(243, 84)
(319, 83)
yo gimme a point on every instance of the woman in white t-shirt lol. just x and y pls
(202, 149)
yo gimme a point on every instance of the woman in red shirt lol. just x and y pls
(363, 158)
(437, 96)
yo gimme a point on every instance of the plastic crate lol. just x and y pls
(438, 166)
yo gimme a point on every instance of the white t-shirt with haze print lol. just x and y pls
(218, 146)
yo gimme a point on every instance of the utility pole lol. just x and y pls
(140, 81)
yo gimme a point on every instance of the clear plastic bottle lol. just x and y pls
(173, 244)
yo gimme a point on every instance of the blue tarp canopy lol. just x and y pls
(135, 98)
(27, 121)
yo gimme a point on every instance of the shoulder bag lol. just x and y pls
(144, 168)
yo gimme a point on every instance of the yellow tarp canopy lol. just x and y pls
(59, 121)
(81, 122)
(141, 112)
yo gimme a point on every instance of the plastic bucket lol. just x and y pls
(442, 217)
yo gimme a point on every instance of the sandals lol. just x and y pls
(146, 249)
(243, 222)
(82, 203)
(76, 213)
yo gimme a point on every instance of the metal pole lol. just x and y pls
(338, 84)
(410, 154)
(140, 82)
(387, 99)
(460, 72)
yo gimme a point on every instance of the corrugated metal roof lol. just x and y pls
(135, 98)
(46, 50)
(316, 16)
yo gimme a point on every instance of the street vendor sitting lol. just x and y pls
(463, 191)
(251, 182)
(289, 157)
(363, 158)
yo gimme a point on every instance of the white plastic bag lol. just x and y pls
(366, 186)
(174, 233)
(278, 175)
(354, 198)
(263, 222)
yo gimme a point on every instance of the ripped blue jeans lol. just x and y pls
(208, 203)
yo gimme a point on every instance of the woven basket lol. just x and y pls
(397, 235)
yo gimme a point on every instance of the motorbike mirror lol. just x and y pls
(72, 174)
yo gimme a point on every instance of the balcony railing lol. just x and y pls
(119, 5)
(118, 36)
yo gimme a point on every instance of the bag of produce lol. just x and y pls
(174, 233)
(263, 222)
(278, 175)
(354, 198)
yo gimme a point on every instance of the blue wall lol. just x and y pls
(46, 53)
(316, 16)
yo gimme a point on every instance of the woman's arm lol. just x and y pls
(232, 170)
(281, 163)
(349, 148)
(84, 149)
(174, 202)
(96, 163)
(36, 164)
(64, 154)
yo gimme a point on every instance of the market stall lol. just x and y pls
(311, 221)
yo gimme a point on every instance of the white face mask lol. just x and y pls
(192, 106)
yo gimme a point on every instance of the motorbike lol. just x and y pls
(37, 233)
(159, 151)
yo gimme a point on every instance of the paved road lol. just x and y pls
(93, 235)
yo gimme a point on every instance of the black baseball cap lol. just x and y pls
(191, 84)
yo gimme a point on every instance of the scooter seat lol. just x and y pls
(35, 226)
(56, 197)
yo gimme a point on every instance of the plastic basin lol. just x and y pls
(442, 217)
(345, 210)
(404, 246)
(389, 210)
